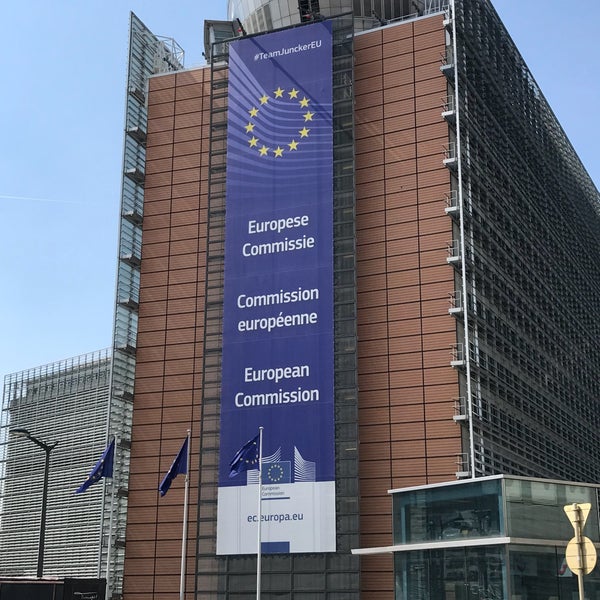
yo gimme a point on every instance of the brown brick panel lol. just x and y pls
(403, 246)
(373, 315)
(407, 386)
(186, 120)
(367, 54)
(160, 124)
(371, 224)
(169, 364)
(194, 132)
(187, 105)
(366, 70)
(160, 221)
(396, 46)
(162, 83)
(157, 179)
(431, 210)
(402, 75)
(161, 163)
(371, 173)
(158, 195)
(376, 281)
(160, 138)
(165, 109)
(400, 295)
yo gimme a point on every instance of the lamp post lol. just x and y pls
(47, 448)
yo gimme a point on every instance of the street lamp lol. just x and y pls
(47, 448)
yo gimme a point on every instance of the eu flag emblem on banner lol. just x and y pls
(277, 472)
(246, 458)
(179, 466)
(103, 468)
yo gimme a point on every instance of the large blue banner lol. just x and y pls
(278, 301)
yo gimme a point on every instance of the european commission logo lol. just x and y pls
(279, 124)
(278, 472)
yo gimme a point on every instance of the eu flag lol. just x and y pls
(179, 466)
(103, 468)
(246, 458)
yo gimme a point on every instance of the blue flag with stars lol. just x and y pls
(246, 458)
(277, 472)
(178, 466)
(103, 468)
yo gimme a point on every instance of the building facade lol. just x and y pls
(466, 289)
(66, 403)
(148, 54)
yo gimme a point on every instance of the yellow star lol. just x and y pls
(308, 116)
(304, 102)
(304, 132)
(278, 92)
(253, 112)
(263, 151)
(253, 141)
(278, 152)
(250, 126)
(293, 93)
(264, 99)
(293, 145)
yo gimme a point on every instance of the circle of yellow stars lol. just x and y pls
(275, 473)
(256, 143)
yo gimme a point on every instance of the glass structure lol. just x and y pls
(492, 538)
(266, 15)
(65, 402)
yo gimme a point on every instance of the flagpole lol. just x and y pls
(185, 521)
(258, 547)
(109, 581)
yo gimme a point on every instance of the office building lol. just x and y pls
(63, 403)
(444, 248)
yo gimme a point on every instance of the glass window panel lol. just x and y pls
(456, 512)
(275, 582)
(345, 379)
(452, 574)
(536, 509)
(534, 573)
(309, 581)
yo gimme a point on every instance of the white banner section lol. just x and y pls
(296, 517)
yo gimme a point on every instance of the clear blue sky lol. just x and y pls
(63, 71)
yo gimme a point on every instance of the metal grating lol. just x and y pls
(532, 274)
